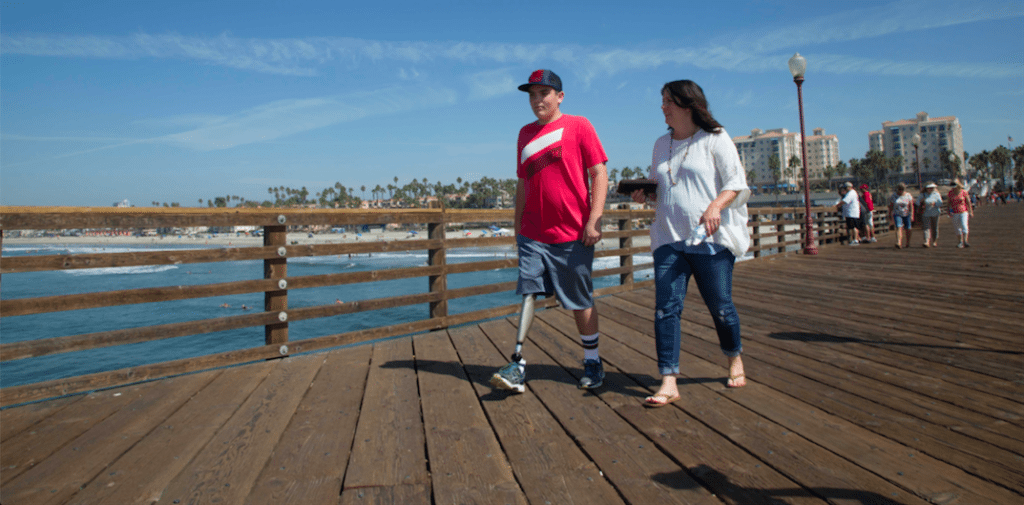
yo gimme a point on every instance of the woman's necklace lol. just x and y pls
(671, 141)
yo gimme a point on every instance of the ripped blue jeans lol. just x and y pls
(713, 275)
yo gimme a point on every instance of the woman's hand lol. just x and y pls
(639, 196)
(711, 219)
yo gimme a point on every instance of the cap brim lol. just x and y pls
(526, 87)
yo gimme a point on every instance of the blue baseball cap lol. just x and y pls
(544, 78)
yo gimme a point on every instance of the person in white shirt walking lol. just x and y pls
(850, 207)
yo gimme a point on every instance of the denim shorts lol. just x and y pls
(902, 221)
(563, 270)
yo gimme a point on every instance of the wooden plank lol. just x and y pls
(411, 494)
(21, 453)
(901, 468)
(63, 218)
(978, 399)
(59, 387)
(926, 477)
(782, 449)
(142, 473)
(887, 386)
(864, 405)
(55, 479)
(111, 260)
(708, 452)
(311, 458)
(15, 421)
(548, 465)
(627, 458)
(919, 347)
(900, 397)
(388, 450)
(275, 299)
(226, 469)
(887, 308)
(437, 257)
(728, 470)
(57, 345)
(467, 464)
(46, 304)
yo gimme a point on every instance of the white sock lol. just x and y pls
(590, 346)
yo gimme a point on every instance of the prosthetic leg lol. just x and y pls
(513, 375)
(525, 321)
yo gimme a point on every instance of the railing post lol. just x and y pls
(756, 229)
(780, 232)
(438, 283)
(276, 268)
(626, 242)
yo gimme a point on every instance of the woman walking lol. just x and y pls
(931, 209)
(699, 229)
(959, 209)
(901, 212)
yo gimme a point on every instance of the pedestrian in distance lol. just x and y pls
(867, 213)
(560, 196)
(849, 205)
(901, 213)
(960, 208)
(930, 203)
(699, 229)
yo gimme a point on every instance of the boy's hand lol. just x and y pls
(591, 234)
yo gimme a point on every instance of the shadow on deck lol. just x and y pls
(876, 375)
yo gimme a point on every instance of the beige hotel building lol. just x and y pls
(938, 135)
(757, 148)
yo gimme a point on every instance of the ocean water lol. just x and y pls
(38, 326)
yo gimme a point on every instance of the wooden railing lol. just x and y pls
(774, 231)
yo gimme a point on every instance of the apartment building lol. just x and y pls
(939, 136)
(822, 151)
(757, 148)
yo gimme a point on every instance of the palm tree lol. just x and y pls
(791, 171)
(1018, 165)
(1000, 158)
(829, 172)
(774, 168)
(980, 163)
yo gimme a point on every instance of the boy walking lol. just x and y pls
(560, 195)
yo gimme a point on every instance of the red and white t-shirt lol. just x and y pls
(553, 162)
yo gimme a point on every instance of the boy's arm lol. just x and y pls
(598, 193)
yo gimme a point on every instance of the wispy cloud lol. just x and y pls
(287, 117)
(491, 83)
(874, 21)
(271, 121)
(745, 51)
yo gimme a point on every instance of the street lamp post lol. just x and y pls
(797, 66)
(917, 159)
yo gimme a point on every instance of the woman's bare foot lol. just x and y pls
(667, 393)
(737, 377)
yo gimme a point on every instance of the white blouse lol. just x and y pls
(689, 179)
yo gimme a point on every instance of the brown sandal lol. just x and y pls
(666, 399)
(733, 379)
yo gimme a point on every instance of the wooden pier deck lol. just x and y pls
(876, 375)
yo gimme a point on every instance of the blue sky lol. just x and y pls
(176, 101)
